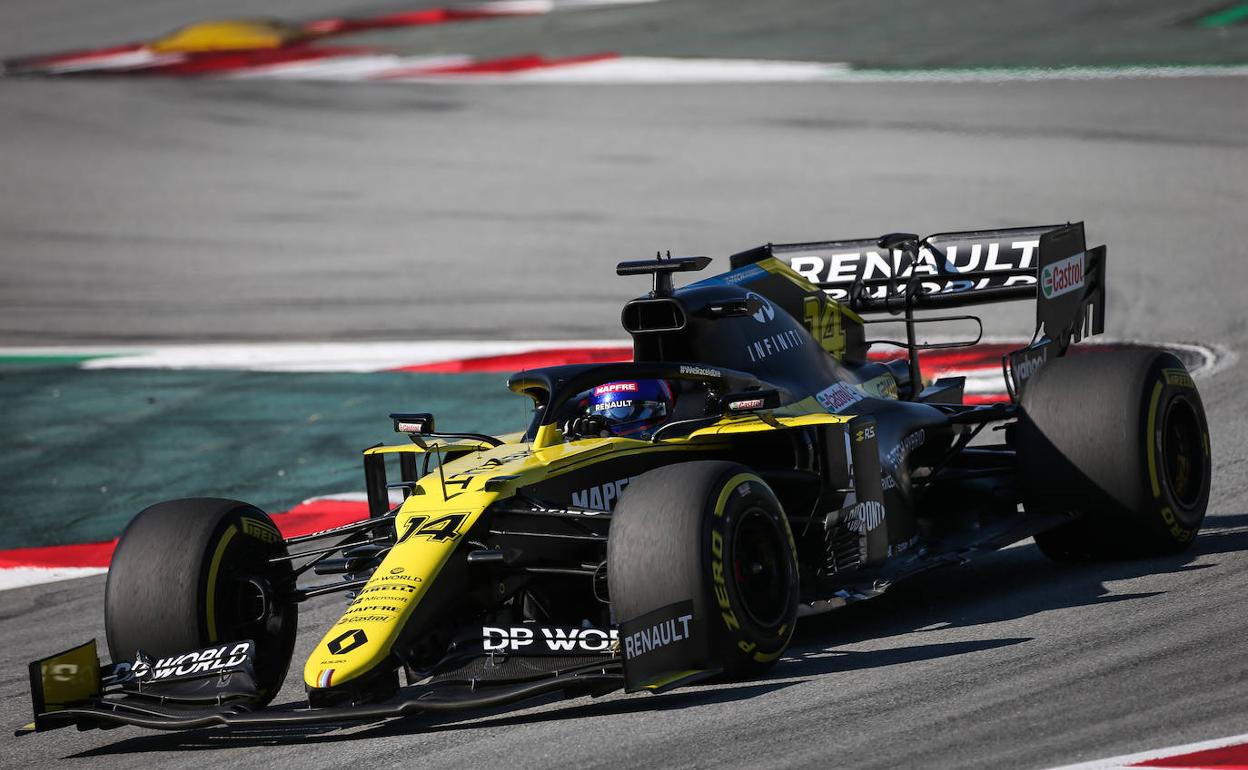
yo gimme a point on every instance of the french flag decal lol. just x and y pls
(325, 678)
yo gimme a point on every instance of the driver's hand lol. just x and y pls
(591, 426)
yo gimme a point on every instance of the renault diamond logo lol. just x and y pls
(347, 642)
(765, 312)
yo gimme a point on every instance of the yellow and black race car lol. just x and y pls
(667, 520)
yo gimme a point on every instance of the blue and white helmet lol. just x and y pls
(632, 407)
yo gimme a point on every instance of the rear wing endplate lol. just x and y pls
(1070, 303)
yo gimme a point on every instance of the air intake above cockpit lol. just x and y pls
(653, 315)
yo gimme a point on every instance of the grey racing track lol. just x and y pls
(138, 211)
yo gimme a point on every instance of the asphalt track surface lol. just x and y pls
(183, 211)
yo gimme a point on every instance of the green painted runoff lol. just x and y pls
(86, 450)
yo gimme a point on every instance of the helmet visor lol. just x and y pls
(628, 413)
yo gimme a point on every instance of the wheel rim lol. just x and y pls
(247, 607)
(243, 604)
(760, 568)
(1182, 450)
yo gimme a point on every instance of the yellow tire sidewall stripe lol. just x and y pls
(730, 487)
(720, 504)
(214, 567)
(1152, 439)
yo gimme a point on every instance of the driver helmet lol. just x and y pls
(632, 407)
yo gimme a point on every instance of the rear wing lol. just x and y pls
(902, 273)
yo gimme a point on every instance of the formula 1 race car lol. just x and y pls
(668, 520)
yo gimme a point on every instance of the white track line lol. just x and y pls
(659, 70)
(347, 68)
(652, 70)
(1128, 760)
(1214, 358)
(393, 68)
(326, 357)
(17, 577)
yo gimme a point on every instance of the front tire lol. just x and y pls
(188, 574)
(715, 533)
(1119, 440)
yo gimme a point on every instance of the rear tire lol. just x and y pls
(715, 533)
(193, 573)
(1121, 441)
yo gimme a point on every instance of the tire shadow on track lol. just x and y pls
(1000, 587)
(819, 659)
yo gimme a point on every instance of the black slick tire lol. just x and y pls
(1120, 441)
(192, 573)
(715, 533)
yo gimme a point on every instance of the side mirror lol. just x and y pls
(413, 423)
(749, 401)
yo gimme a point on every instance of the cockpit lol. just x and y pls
(632, 400)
